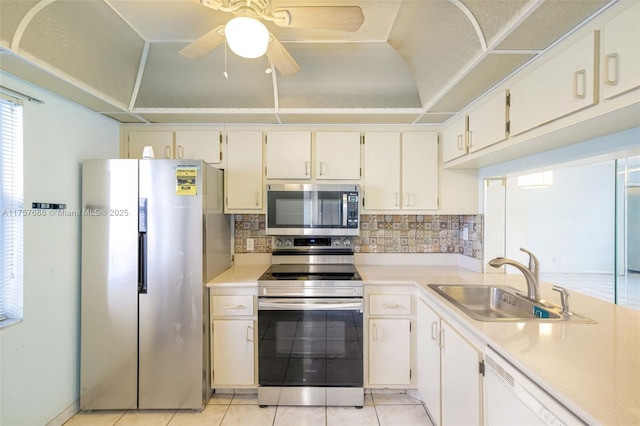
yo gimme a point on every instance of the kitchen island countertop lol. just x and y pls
(593, 369)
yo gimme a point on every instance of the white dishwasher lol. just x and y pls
(511, 398)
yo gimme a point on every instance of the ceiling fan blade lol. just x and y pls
(281, 59)
(340, 18)
(204, 44)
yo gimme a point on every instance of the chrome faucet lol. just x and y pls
(531, 273)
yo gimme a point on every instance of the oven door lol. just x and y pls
(310, 342)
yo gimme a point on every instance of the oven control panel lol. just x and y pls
(311, 243)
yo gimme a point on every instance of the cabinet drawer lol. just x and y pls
(390, 304)
(232, 305)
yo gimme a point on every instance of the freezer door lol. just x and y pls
(109, 281)
(171, 361)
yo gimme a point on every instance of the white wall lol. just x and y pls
(39, 364)
(570, 226)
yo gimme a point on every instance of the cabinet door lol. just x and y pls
(389, 351)
(338, 155)
(419, 170)
(203, 145)
(233, 353)
(563, 85)
(621, 53)
(429, 359)
(488, 123)
(243, 174)
(289, 155)
(161, 141)
(454, 143)
(382, 171)
(460, 374)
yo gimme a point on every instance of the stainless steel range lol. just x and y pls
(310, 311)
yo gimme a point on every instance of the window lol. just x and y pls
(11, 210)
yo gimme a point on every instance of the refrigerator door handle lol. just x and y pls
(142, 263)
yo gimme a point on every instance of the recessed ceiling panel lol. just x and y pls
(493, 16)
(351, 75)
(347, 117)
(11, 13)
(436, 39)
(489, 72)
(549, 22)
(87, 41)
(171, 81)
(169, 20)
(208, 118)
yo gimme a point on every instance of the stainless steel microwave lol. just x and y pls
(313, 209)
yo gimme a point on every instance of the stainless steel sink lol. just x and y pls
(502, 303)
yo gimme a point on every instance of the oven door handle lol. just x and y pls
(304, 304)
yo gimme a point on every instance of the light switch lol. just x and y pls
(249, 244)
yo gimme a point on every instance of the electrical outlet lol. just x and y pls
(465, 233)
(249, 244)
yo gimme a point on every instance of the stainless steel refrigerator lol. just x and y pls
(153, 233)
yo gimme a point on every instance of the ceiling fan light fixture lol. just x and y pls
(247, 37)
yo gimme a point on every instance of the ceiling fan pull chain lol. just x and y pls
(225, 60)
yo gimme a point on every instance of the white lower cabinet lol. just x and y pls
(449, 377)
(233, 338)
(428, 353)
(389, 339)
(233, 343)
(390, 351)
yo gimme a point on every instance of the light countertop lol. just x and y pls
(593, 369)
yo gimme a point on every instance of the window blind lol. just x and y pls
(11, 210)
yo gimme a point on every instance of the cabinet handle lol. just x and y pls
(469, 139)
(321, 164)
(234, 306)
(257, 198)
(434, 331)
(375, 332)
(180, 151)
(167, 151)
(306, 168)
(441, 338)
(576, 92)
(460, 142)
(389, 306)
(611, 58)
(249, 333)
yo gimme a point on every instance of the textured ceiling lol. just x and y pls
(411, 61)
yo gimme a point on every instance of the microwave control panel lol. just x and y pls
(352, 209)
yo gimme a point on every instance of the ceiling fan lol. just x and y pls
(252, 12)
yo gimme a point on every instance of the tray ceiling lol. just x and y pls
(411, 61)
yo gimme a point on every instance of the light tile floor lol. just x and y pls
(381, 409)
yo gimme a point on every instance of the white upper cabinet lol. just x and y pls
(192, 144)
(160, 140)
(419, 170)
(243, 174)
(560, 86)
(488, 122)
(621, 53)
(199, 144)
(288, 155)
(382, 171)
(337, 155)
(454, 142)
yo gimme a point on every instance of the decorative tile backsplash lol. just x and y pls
(386, 234)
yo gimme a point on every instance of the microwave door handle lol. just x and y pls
(345, 210)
